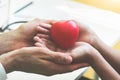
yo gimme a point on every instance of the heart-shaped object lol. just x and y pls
(65, 33)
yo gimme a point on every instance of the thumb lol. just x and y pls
(56, 57)
(61, 58)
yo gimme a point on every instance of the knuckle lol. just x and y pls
(24, 49)
(46, 31)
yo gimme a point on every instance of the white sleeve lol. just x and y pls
(3, 75)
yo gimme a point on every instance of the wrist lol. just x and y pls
(94, 41)
(83, 53)
(11, 40)
(91, 55)
(8, 61)
(94, 58)
(6, 42)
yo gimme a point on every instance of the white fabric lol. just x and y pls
(3, 75)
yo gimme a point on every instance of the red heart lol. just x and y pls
(65, 33)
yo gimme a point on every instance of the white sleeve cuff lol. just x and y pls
(3, 75)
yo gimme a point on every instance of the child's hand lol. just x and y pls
(43, 40)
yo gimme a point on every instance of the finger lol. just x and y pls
(55, 68)
(49, 44)
(39, 44)
(45, 25)
(43, 36)
(37, 39)
(42, 30)
(52, 68)
(61, 58)
(60, 49)
(53, 21)
(57, 57)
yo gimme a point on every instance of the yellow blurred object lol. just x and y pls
(89, 74)
(112, 5)
(117, 46)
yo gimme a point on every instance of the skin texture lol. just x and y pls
(86, 53)
(36, 60)
(112, 56)
(22, 55)
(22, 36)
(96, 53)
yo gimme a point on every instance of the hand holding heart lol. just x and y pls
(63, 33)
(52, 41)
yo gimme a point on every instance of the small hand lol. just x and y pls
(86, 33)
(81, 52)
(43, 40)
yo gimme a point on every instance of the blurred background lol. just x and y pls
(102, 16)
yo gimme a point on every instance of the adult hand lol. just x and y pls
(79, 52)
(22, 36)
(37, 60)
